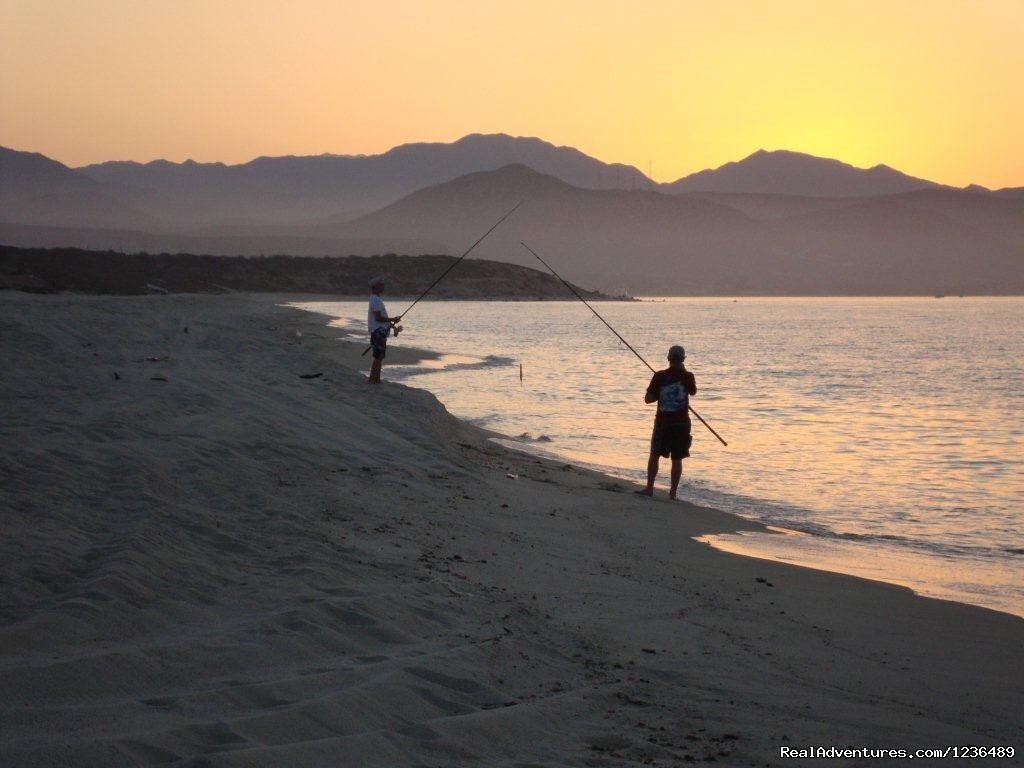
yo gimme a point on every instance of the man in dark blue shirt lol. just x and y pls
(671, 390)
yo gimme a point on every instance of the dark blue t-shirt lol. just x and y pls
(673, 388)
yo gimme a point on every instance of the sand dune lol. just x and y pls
(210, 561)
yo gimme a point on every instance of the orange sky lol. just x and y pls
(932, 87)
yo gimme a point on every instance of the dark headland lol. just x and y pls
(55, 270)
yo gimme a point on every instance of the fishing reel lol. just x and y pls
(397, 329)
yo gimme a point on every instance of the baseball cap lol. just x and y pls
(378, 280)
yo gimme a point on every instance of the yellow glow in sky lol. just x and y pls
(932, 88)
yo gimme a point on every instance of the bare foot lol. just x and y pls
(645, 492)
(673, 496)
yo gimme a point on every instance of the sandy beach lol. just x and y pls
(208, 560)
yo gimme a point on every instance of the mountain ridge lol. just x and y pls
(35, 189)
(797, 173)
(309, 189)
(291, 189)
(648, 242)
(916, 238)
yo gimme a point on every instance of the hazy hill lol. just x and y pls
(37, 190)
(304, 189)
(30, 173)
(930, 241)
(638, 241)
(597, 235)
(794, 173)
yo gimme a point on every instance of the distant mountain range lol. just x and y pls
(794, 173)
(308, 190)
(303, 189)
(774, 222)
(926, 241)
(37, 190)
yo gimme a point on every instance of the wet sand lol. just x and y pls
(208, 560)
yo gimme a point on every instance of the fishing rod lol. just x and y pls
(453, 265)
(577, 294)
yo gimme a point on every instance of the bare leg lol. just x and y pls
(677, 472)
(375, 370)
(652, 473)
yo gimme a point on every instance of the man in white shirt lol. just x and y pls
(379, 325)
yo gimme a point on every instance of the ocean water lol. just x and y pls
(880, 437)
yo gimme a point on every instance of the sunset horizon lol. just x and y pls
(663, 87)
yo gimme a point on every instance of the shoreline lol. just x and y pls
(209, 558)
(922, 570)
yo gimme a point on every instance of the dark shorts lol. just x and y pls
(379, 342)
(671, 439)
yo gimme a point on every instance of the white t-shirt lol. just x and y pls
(376, 305)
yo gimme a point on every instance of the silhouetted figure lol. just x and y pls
(671, 390)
